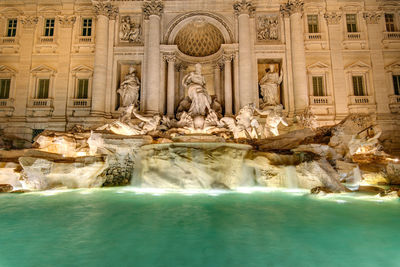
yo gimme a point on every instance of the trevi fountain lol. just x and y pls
(222, 163)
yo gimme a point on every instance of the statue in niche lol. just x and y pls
(129, 89)
(200, 99)
(269, 85)
(130, 31)
(267, 28)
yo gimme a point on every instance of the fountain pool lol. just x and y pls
(126, 226)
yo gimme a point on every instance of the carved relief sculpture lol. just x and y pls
(269, 86)
(267, 28)
(130, 31)
(129, 89)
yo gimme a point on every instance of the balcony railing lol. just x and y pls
(313, 36)
(391, 35)
(394, 99)
(46, 39)
(8, 40)
(353, 35)
(80, 103)
(320, 100)
(361, 100)
(85, 39)
(43, 103)
(6, 103)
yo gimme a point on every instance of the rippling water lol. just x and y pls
(129, 227)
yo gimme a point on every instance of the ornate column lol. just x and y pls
(227, 58)
(244, 9)
(339, 85)
(295, 9)
(24, 71)
(170, 58)
(217, 81)
(152, 11)
(103, 11)
(375, 38)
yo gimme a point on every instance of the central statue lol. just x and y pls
(195, 83)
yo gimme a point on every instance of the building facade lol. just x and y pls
(62, 61)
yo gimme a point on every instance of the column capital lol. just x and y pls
(227, 57)
(152, 7)
(180, 66)
(333, 18)
(169, 57)
(66, 21)
(244, 7)
(292, 7)
(29, 21)
(105, 8)
(372, 17)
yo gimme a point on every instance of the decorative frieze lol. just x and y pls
(130, 31)
(292, 6)
(333, 17)
(29, 21)
(267, 28)
(153, 7)
(103, 8)
(372, 17)
(66, 21)
(244, 7)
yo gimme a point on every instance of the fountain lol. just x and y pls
(198, 148)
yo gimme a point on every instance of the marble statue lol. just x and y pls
(275, 117)
(308, 119)
(147, 124)
(130, 31)
(129, 89)
(195, 84)
(369, 144)
(269, 85)
(244, 125)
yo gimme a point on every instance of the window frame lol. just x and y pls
(396, 91)
(49, 31)
(322, 89)
(393, 23)
(355, 23)
(86, 28)
(309, 26)
(356, 91)
(77, 90)
(38, 88)
(13, 28)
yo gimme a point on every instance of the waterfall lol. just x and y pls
(290, 177)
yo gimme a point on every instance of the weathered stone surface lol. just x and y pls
(192, 165)
(289, 140)
(393, 173)
(370, 189)
(9, 174)
(44, 174)
(317, 190)
(4, 188)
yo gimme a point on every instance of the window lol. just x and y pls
(43, 88)
(312, 23)
(396, 84)
(5, 88)
(358, 86)
(351, 21)
(49, 27)
(87, 27)
(389, 20)
(12, 28)
(318, 86)
(82, 92)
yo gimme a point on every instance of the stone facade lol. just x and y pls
(62, 62)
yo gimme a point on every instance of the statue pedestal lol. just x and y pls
(201, 138)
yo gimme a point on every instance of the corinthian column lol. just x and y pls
(243, 10)
(228, 83)
(152, 11)
(294, 8)
(170, 58)
(103, 11)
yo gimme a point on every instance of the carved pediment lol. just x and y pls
(11, 12)
(318, 66)
(82, 69)
(393, 67)
(359, 65)
(7, 69)
(49, 11)
(43, 69)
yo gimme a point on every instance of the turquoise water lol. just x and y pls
(124, 227)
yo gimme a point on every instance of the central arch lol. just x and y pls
(210, 18)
